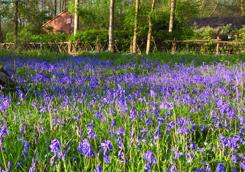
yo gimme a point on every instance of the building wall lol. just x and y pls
(60, 24)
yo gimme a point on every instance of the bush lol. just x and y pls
(241, 34)
(58, 37)
(206, 33)
(26, 36)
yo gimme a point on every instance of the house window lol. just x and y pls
(68, 20)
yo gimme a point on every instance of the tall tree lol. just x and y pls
(242, 7)
(134, 48)
(148, 44)
(1, 34)
(76, 17)
(16, 21)
(172, 15)
(111, 23)
(55, 7)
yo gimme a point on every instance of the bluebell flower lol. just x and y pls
(120, 131)
(234, 169)
(33, 166)
(98, 169)
(199, 170)
(85, 148)
(220, 167)
(4, 104)
(106, 145)
(242, 165)
(25, 149)
(106, 157)
(56, 149)
(3, 133)
(91, 133)
(150, 159)
(133, 115)
(234, 158)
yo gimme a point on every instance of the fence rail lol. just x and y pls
(199, 46)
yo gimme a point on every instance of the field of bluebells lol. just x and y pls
(86, 114)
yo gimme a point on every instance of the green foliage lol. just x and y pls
(58, 37)
(241, 34)
(26, 35)
(206, 33)
(168, 58)
(122, 39)
(183, 11)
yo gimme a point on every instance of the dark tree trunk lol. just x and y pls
(55, 7)
(242, 7)
(6, 83)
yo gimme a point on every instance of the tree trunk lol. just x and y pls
(76, 18)
(16, 21)
(172, 15)
(1, 34)
(42, 5)
(111, 23)
(242, 7)
(148, 44)
(134, 48)
(55, 7)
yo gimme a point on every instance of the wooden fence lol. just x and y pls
(197, 46)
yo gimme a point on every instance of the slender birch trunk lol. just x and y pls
(134, 48)
(172, 15)
(111, 23)
(16, 21)
(76, 18)
(1, 34)
(148, 44)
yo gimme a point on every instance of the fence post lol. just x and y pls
(69, 47)
(217, 44)
(173, 48)
(98, 44)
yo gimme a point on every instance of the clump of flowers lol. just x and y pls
(107, 147)
(150, 160)
(85, 149)
(56, 149)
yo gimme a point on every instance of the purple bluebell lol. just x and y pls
(220, 167)
(234, 158)
(26, 147)
(33, 166)
(106, 147)
(150, 160)
(3, 133)
(120, 131)
(85, 148)
(98, 169)
(91, 133)
(242, 165)
(56, 149)
(199, 170)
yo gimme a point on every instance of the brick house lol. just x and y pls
(62, 23)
